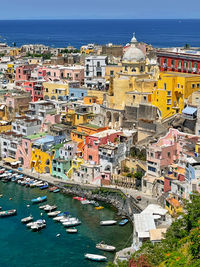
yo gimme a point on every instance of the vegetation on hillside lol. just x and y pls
(181, 247)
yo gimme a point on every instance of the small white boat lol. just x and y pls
(27, 219)
(53, 213)
(50, 208)
(68, 219)
(29, 225)
(72, 230)
(59, 218)
(43, 206)
(85, 202)
(109, 222)
(103, 246)
(72, 223)
(95, 257)
(38, 225)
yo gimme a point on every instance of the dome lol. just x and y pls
(133, 54)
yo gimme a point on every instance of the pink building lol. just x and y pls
(91, 149)
(23, 73)
(23, 153)
(71, 73)
(50, 120)
(35, 88)
(169, 149)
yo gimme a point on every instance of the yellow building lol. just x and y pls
(54, 90)
(173, 90)
(14, 52)
(10, 77)
(76, 118)
(112, 70)
(173, 206)
(87, 49)
(135, 82)
(76, 163)
(40, 160)
(5, 126)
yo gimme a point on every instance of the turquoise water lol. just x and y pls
(20, 246)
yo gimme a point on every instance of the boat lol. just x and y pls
(72, 230)
(95, 257)
(59, 217)
(72, 223)
(56, 190)
(109, 222)
(99, 208)
(49, 208)
(43, 206)
(7, 213)
(38, 225)
(51, 189)
(39, 199)
(53, 213)
(76, 198)
(85, 202)
(123, 222)
(44, 187)
(27, 219)
(103, 246)
(29, 225)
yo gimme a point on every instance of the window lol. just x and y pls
(165, 86)
(24, 131)
(111, 72)
(47, 90)
(87, 73)
(76, 75)
(98, 64)
(169, 101)
(173, 62)
(179, 64)
(54, 168)
(14, 127)
(77, 117)
(185, 65)
(197, 85)
(151, 169)
(82, 94)
(90, 157)
(168, 154)
(165, 61)
(134, 97)
(178, 85)
(145, 98)
(193, 86)
(190, 65)
(59, 170)
(168, 93)
(54, 74)
(168, 108)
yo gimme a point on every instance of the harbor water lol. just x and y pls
(20, 246)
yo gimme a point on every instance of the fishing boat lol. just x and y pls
(76, 198)
(39, 199)
(123, 222)
(95, 257)
(7, 213)
(51, 189)
(56, 190)
(29, 225)
(103, 246)
(53, 213)
(27, 219)
(99, 208)
(107, 223)
(71, 230)
(44, 187)
(49, 208)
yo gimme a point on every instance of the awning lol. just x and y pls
(9, 160)
(189, 110)
(15, 163)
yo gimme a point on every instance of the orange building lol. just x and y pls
(88, 100)
(80, 135)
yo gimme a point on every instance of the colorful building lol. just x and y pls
(173, 206)
(55, 90)
(173, 90)
(35, 88)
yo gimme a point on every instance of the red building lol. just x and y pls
(35, 88)
(23, 73)
(178, 173)
(182, 61)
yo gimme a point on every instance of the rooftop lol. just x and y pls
(105, 133)
(35, 136)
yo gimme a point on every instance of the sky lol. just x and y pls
(99, 9)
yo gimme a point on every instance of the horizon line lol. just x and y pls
(9, 19)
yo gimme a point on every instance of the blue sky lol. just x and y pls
(83, 9)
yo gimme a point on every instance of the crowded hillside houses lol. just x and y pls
(125, 115)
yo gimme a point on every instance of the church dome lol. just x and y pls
(133, 54)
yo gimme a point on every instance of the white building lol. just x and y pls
(26, 125)
(95, 71)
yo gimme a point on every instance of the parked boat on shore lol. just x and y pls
(103, 246)
(45, 186)
(7, 213)
(39, 199)
(108, 222)
(95, 257)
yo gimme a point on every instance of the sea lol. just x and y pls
(62, 33)
(20, 247)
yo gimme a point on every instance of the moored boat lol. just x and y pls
(85, 202)
(43, 206)
(108, 222)
(49, 208)
(72, 223)
(53, 188)
(53, 213)
(123, 222)
(56, 190)
(95, 257)
(103, 246)
(72, 230)
(39, 199)
(7, 213)
(27, 219)
(44, 187)
(38, 225)
(99, 208)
